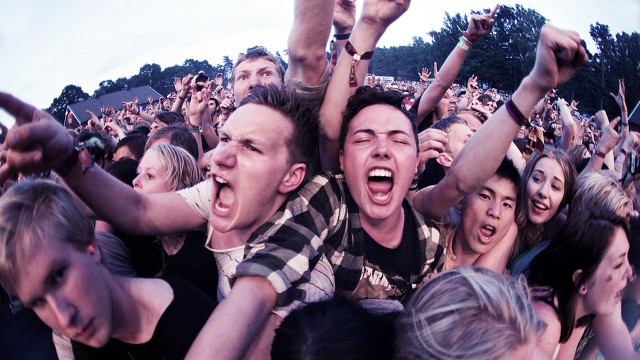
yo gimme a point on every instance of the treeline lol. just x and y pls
(501, 60)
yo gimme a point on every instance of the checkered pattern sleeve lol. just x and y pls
(433, 243)
(286, 248)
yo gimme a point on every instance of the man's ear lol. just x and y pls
(444, 159)
(341, 158)
(293, 178)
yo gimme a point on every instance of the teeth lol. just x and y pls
(220, 180)
(489, 227)
(381, 196)
(539, 206)
(220, 207)
(380, 173)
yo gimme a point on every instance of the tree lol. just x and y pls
(107, 87)
(71, 94)
(602, 37)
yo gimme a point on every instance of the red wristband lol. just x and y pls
(599, 153)
(515, 113)
(348, 47)
(468, 37)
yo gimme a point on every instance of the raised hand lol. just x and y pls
(619, 97)
(431, 143)
(199, 105)
(559, 54)
(217, 80)
(177, 84)
(424, 75)
(94, 121)
(472, 84)
(481, 25)
(383, 12)
(344, 16)
(609, 137)
(36, 143)
(574, 105)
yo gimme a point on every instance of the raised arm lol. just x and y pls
(376, 17)
(559, 54)
(308, 39)
(620, 100)
(479, 27)
(568, 125)
(38, 143)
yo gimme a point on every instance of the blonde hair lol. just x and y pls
(182, 169)
(33, 212)
(466, 313)
(594, 189)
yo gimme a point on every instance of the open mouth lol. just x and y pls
(380, 183)
(224, 196)
(487, 231)
(540, 206)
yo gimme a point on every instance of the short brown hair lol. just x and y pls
(32, 212)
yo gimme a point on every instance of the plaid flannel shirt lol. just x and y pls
(322, 217)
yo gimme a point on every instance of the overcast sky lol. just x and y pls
(46, 45)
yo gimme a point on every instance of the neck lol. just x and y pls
(228, 240)
(127, 312)
(581, 311)
(464, 255)
(138, 307)
(386, 232)
(172, 243)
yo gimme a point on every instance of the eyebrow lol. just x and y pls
(545, 174)
(389, 133)
(493, 192)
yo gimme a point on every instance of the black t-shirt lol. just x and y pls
(175, 332)
(389, 270)
(194, 263)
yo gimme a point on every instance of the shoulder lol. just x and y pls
(549, 338)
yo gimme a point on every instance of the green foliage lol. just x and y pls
(504, 58)
(70, 94)
(501, 60)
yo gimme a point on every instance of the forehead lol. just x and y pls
(380, 118)
(459, 129)
(35, 265)
(251, 65)
(472, 122)
(150, 158)
(502, 186)
(259, 122)
(550, 167)
(619, 244)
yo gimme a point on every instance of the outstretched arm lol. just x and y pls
(376, 17)
(559, 54)
(38, 143)
(479, 27)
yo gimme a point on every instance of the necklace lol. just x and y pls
(171, 245)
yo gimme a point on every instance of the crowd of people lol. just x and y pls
(320, 213)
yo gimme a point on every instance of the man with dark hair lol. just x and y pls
(487, 218)
(378, 246)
